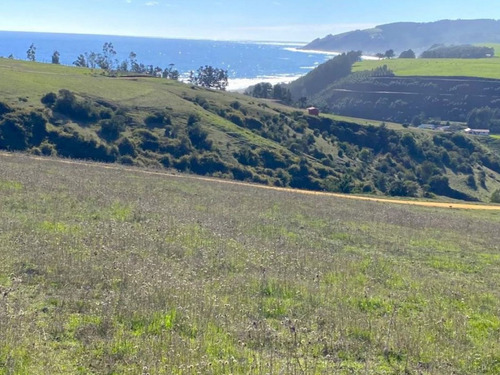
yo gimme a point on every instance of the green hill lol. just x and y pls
(402, 36)
(114, 271)
(79, 113)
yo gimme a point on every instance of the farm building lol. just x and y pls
(313, 111)
(477, 131)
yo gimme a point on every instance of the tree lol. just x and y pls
(389, 53)
(211, 77)
(80, 61)
(407, 54)
(91, 60)
(31, 53)
(261, 90)
(105, 60)
(171, 73)
(55, 57)
(481, 117)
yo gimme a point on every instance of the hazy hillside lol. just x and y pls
(405, 35)
(79, 113)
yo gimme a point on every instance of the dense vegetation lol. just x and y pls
(458, 52)
(114, 271)
(368, 159)
(417, 36)
(380, 95)
(174, 125)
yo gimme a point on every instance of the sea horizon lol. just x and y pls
(247, 61)
(280, 42)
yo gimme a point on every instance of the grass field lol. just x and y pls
(484, 68)
(117, 272)
(390, 125)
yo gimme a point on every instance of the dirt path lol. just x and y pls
(466, 206)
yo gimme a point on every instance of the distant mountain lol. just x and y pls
(417, 36)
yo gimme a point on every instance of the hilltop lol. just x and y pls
(402, 36)
(151, 122)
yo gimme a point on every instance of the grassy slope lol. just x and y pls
(105, 271)
(24, 83)
(484, 68)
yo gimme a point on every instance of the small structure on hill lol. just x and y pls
(477, 131)
(313, 111)
(427, 126)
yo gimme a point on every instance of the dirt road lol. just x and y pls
(451, 205)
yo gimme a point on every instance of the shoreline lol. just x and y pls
(241, 84)
(327, 53)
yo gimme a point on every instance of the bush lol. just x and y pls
(4, 108)
(68, 105)
(471, 182)
(157, 119)
(13, 135)
(49, 99)
(110, 129)
(495, 197)
(126, 147)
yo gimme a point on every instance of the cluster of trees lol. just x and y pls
(206, 76)
(389, 54)
(106, 60)
(484, 118)
(209, 77)
(265, 90)
(458, 52)
(408, 54)
(443, 52)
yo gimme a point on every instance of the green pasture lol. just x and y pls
(123, 271)
(482, 68)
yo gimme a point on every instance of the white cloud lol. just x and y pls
(152, 3)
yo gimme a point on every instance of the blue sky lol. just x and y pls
(292, 20)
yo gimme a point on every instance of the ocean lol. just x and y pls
(247, 62)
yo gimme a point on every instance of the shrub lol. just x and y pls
(471, 182)
(13, 135)
(4, 108)
(157, 119)
(110, 129)
(495, 197)
(49, 99)
(126, 147)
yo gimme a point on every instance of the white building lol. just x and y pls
(477, 131)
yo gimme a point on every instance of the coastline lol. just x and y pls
(241, 84)
(327, 53)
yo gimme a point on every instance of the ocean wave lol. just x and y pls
(327, 53)
(291, 44)
(240, 84)
(313, 52)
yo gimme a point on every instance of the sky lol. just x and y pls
(260, 20)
